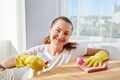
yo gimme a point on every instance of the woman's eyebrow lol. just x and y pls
(61, 29)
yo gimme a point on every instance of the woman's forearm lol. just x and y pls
(9, 62)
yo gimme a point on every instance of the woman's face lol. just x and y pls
(60, 32)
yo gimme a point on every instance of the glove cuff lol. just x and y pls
(103, 55)
(19, 62)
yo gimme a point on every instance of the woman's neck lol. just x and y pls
(55, 50)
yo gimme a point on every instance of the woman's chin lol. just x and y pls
(58, 44)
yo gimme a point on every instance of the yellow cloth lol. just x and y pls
(34, 62)
(97, 59)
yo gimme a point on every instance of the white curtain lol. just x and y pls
(12, 27)
(96, 22)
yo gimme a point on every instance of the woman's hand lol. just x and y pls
(97, 59)
(34, 62)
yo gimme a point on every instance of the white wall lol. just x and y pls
(39, 15)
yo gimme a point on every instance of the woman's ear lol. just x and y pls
(50, 28)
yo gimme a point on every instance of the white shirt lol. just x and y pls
(64, 57)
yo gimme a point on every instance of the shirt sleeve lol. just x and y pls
(81, 50)
(35, 50)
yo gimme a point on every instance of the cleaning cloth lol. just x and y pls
(80, 61)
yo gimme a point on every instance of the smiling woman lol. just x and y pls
(58, 51)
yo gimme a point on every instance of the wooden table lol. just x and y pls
(70, 71)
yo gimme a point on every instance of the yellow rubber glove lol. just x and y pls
(34, 62)
(97, 59)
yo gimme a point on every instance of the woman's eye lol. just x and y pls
(66, 34)
(58, 30)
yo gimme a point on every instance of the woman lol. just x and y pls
(56, 50)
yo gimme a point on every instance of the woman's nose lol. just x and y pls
(61, 35)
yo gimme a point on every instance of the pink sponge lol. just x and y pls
(80, 61)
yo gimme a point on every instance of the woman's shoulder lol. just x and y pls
(38, 48)
(80, 45)
(42, 46)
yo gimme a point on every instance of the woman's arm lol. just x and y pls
(92, 51)
(22, 60)
(10, 61)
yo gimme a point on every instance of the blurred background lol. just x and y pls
(24, 24)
